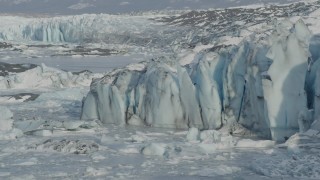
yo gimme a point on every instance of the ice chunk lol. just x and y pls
(7, 130)
(135, 121)
(154, 149)
(193, 135)
(6, 121)
(5, 113)
(68, 146)
(11, 134)
(42, 132)
(311, 132)
(220, 170)
(138, 138)
(90, 171)
(210, 136)
(72, 125)
(248, 143)
(6, 124)
(29, 125)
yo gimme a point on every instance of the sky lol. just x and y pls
(117, 6)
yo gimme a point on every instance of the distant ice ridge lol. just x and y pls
(259, 85)
(88, 28)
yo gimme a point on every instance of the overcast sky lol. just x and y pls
(117, 6)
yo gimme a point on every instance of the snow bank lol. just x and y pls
(259, 84)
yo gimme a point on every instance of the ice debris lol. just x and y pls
(193, 135)
(68, 146)
(154, 149)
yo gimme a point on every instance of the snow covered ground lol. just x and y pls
(47, 66)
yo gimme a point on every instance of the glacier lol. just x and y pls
(125, 30)
(208, 94)
(262, 85)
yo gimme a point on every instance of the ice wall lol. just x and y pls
(284, 94)
(312, 85)
(89, 28)
(160, 95)
(259, 85)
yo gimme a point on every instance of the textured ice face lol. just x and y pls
(312, 85)
(284, 94)
(122, 30)
(161, 95)
(260, 86)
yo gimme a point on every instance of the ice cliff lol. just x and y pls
(88, 28)
(267, 85)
